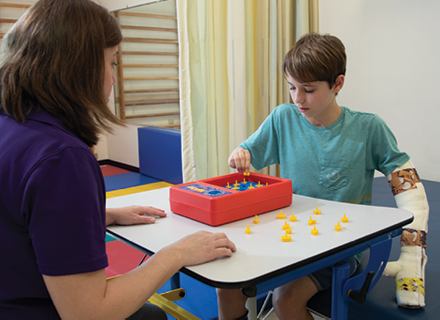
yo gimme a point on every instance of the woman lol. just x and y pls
(56, 73)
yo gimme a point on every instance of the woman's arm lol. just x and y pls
(90, 296)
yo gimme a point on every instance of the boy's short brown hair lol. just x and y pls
(316, 57)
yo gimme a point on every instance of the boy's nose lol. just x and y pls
(298, 98)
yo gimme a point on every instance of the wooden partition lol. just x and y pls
(12, 17)
(148, 92)
(148, 81)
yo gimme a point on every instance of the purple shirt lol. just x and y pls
(52, 212)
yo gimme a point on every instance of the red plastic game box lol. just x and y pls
(223, 199)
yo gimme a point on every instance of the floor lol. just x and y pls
(380, 303)
(270, 315)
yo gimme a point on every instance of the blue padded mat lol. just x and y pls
(127, 180)
(160, 154)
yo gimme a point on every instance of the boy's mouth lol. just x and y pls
(302, 109)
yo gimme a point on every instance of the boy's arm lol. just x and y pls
(409, 270)
(261, 148)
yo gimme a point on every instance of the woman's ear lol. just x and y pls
(339, 83)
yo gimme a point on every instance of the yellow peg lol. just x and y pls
(292, 217)
(281, 215)
(286, 238)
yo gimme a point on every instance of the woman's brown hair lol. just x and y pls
(316, 57)
(53, 59)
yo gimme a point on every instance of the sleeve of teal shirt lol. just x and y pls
(263, 144)
(386, 154)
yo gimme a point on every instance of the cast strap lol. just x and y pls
(410, 195)
(403, 180)
(411, 284)
(413, 237)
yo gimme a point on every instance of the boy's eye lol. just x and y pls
(309, 91)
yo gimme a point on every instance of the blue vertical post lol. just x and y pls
(341, 273)
(175, 281)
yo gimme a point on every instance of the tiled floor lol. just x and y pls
(109, 170)
(270, 315)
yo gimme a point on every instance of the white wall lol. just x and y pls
(393, 69)
(122, 145)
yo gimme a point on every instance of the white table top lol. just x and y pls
(262, 251)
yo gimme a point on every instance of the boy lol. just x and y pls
(329, 152)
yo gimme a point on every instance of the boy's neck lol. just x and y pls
(329, 118)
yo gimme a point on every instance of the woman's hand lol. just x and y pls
(203, 246)
(133, 215)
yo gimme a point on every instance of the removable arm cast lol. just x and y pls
(409, 270)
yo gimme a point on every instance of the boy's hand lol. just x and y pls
(240, 159)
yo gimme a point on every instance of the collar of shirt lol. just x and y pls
(46, 118)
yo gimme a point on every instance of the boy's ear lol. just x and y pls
(339, 83)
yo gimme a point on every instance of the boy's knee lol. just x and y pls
(286, 302)
(222, 293)
(282, 303)
(278, 301)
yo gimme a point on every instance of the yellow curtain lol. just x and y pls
(231, 53)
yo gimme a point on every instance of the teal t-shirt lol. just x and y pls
(336, 162)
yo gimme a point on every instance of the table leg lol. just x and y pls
(341, 273)
(175, 281)
(343, 284)
(251, 305)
